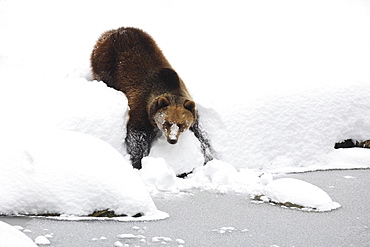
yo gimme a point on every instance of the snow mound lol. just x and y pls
(42, 240)
(72, 104)
(219, 172)
(177, 156)
(10, 237)
(65, 172)
(296, 192)
(158, 175)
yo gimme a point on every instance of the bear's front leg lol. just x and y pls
(207, 150)
(138, 143)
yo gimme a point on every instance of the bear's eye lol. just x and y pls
(167, 125)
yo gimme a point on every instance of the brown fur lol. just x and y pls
(129, 60)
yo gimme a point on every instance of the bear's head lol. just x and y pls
(174, 119)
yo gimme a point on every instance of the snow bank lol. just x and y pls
(34, 104)
(64, 172)
(10, 237)
(294, 131)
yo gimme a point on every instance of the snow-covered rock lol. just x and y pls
(10, 237)
(65, 172)
(299, 193)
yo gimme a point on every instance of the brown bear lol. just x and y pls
(129, 60)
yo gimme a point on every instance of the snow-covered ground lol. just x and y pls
(277, 84)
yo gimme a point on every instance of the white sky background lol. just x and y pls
(260, 47)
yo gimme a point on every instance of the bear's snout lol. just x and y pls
(172, 141)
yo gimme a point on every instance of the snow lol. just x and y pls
(173, 131)
(295, 131)
(10, 236)
(161, 239)
(129, 236)
(42, 240)
(158, 175)
(224, 178)
(175, 155)
(277, 84)
(180, 241)
(118, 244)
(298, 192)
(65, 172)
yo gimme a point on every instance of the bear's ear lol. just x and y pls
(158, 104)
(162, 102)
(190, 105)
(169, 77)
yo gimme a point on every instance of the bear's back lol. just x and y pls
(127, 59)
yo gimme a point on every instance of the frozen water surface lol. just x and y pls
(213, 219)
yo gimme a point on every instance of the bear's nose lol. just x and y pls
(172, 141)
